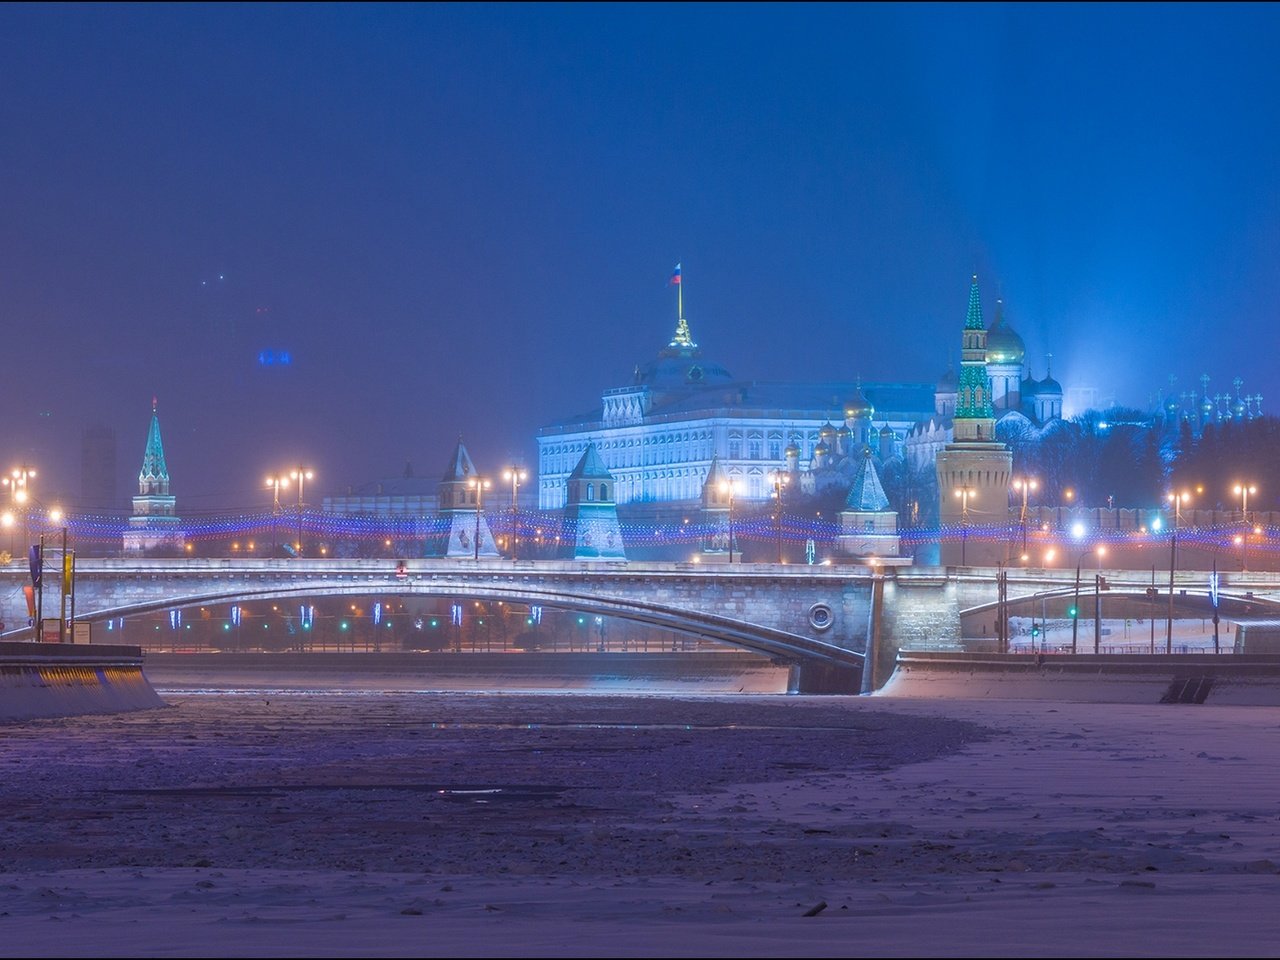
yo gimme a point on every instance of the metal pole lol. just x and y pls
(1173, 562)
(1024, 517)
(299, 511)
(40, 594)
(1097, 612)
(777, 516)
(731, 521)
(515, 486)
(1153, 610)
(62, 592)
(1075, 606)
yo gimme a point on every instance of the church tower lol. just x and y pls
(868, 525)
(1005, 356)
(973, 470)
(463, 493)
(153, 527)
(591, 515)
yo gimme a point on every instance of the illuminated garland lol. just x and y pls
(548, 529)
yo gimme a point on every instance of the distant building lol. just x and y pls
(1204, 407)
(407, 495)
(98, 470)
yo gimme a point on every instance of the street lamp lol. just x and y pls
(1075, 604)
(1243, 490)
(19, 484)
(727, 487)
(779, 480)
(1177, 499)
(300, 475)
(964, 493)
(1025, 485)
(479, 485)
(274, 483)
(515, 476)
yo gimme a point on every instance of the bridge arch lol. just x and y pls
(775, 643)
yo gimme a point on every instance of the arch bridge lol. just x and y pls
(812, 618)
(825, 622)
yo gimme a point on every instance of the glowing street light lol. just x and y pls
(300, 475)
(19, 483)
(779, 480)
(728, 487)
(1243, 490)
(964, 494)
(1024, 485)
(1177, 499)
(1075, 604)
(479, 485)
(275, 483)
(515, 476)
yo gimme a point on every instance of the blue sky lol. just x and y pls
(461, 219)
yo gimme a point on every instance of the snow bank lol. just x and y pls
(1088, 678)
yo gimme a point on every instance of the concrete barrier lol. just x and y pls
(67, 680)
(1088, 678)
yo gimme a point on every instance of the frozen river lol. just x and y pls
(355, 822)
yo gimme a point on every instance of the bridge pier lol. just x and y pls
(824, 678)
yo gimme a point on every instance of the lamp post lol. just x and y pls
(779, 480)
(1177, 499)
(1002, 608)
(726, 487)
(964, 493)
(300, 475)
(1075, 603)
(1243, 490)
(19, 483)
(1098, 585)
(479, 485)
(515, 476)
(274, 483)
(1024, 485)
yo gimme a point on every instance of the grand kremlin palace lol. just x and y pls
(658, 435)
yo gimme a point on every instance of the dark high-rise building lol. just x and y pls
(98, 470)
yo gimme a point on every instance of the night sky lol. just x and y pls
(462, 220)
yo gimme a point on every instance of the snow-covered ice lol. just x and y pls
(363, 823)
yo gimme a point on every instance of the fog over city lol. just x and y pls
(346, 235)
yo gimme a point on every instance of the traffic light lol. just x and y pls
(1152, 593)
(1071, 612)
(1102, 584)
(1035, 631)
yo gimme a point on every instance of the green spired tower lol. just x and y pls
(154, 526)
(973, 470)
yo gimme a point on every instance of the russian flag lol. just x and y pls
(675, 277)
